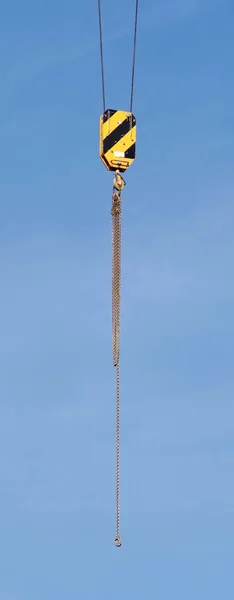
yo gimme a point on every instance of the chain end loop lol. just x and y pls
(117, 541)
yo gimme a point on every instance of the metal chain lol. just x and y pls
(116, 289)
(116, 273)
(117, 537)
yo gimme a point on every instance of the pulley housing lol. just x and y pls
(117, 139)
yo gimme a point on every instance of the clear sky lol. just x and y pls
(57, 383)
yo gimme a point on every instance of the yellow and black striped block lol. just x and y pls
(117, 139)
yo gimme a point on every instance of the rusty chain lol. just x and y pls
(116, 293)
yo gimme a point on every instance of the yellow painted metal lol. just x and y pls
(117, 139)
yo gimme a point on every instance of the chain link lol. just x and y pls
(116, 290)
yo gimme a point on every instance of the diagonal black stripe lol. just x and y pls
(116, 135)
(108, 113)
(131, 152)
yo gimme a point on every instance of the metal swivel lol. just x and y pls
(118, 181)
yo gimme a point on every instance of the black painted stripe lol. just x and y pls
(131, 152)
(108, 113)
(120, 169)
(116, 135)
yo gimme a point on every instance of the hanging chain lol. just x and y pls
(117, 537)
(116, 289)
(116, 273)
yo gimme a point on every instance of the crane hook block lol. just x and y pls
(117, 139)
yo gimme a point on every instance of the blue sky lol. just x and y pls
(57, 436)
